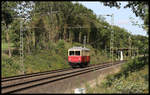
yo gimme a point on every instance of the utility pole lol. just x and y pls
(21, 45)
(51, 12)
(84, 41)
(111, 36)
(129, 46)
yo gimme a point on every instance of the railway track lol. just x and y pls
(22, 82)
(33, 74)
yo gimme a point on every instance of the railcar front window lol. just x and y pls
(77, 52)
(71, 53)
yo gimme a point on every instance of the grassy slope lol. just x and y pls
(5, 45)
(128, 80)
(45, 60)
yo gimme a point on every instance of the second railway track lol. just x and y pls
(12, 85)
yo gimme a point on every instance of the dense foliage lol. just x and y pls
(50, 29)
(132, 78)
(47, 22)
(46, 60)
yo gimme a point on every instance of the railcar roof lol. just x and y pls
(79, 48)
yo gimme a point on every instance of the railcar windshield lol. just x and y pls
(77, 52)
(71, 53)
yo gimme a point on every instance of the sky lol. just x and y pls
(121, 16)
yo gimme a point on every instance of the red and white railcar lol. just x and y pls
(78, 56)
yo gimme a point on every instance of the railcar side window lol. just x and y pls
(71, 52)
(87, 53)
(77, 52)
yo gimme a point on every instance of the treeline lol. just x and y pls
(48, 22)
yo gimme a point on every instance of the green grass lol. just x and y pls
(9, 66)
(44, 60)
(5, 45)
(136, 82)
(133, 78)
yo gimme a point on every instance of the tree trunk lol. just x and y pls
(49, 37)
(46, 42)
(65, 30)
(8, 41)
(57, 34)
(52, 33)
(33, 39)
(88, 37)
(28, 44)
(70, 37)
(80, 35)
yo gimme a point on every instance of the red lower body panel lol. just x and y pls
(79, 59)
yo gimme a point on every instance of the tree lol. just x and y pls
(48, 22)
(8, 14)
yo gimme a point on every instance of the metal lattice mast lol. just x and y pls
(111, 37)
(21, 47)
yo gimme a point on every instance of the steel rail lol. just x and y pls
(29, 84)
(37, 74)
(33, 74)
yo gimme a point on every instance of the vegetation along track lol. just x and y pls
(21, 82)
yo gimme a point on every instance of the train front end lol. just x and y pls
(78, 56)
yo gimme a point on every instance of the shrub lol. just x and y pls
(9, 67)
